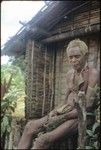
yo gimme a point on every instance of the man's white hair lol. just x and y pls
(81, 44)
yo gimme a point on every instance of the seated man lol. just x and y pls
(80, 78)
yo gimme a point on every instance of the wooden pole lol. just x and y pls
(52, 83)
(81, 108)
(44, 84)
(32, 74)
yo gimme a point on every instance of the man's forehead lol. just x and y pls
(74, 51)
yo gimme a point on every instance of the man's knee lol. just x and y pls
(32, 127)
(43, 141)
(29, 127)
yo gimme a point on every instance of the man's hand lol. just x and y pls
(64, 109)
(42, 142)
(53, 113)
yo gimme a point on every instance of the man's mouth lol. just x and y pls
(75, 65)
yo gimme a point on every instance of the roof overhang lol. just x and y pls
(40, 25)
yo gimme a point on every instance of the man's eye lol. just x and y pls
(77, 56)
(70, 57)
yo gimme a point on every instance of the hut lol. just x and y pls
(43, 42)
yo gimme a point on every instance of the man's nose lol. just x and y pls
(73, 59)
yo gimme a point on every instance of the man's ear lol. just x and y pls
(86, 56)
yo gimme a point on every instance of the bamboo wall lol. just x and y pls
(39, 80)
(60, 75)
(83, 17)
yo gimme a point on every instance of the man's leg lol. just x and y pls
(30, 129)
(45, 140)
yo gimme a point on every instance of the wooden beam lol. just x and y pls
(37, 29)
(76, 32)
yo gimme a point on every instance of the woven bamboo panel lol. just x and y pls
(60, 76)
(79, 19)
(39, 80)
(93, 51)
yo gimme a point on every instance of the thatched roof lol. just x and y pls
(40, 25)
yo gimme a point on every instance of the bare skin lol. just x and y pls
(45, 140)
(78, 61)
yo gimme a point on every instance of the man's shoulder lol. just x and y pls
(93, 71)
(93, 75)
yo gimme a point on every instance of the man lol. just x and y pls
(80, 78)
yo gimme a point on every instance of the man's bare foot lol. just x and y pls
(42, 142)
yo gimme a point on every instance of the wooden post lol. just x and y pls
(32, 74)
(81, 108)
(44, 84)
(52, 82)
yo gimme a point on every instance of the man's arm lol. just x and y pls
(90, 94)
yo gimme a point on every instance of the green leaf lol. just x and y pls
(96, 125)
(95, 136)
(89, 147)
(12, 108)
(4, 124)
(91, 114)
(96, 144)
(5, 121)
(89, 132)
(9, 129)
(3, 128)
(3, 104)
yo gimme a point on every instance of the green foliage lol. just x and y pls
(8, 105)
(93, 133)
(19, 62)
(18, 77)
(88, 147)
(9, 100)
(93, 137)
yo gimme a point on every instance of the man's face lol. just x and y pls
(76, 58)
